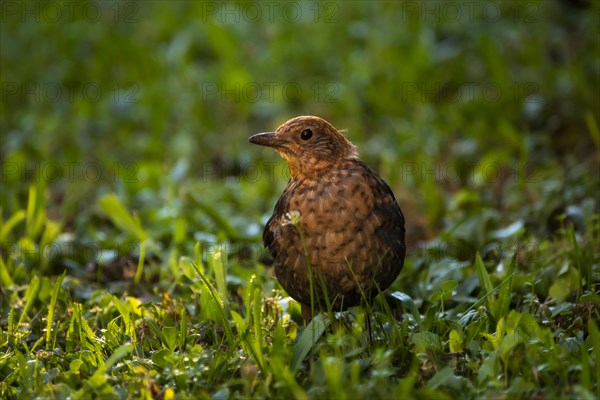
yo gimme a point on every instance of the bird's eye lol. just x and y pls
(306, 134)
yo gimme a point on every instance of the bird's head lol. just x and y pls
(310, 145)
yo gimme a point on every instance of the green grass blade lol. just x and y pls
(504, 289)
(120, 217)
(257, 319)
(30, 296)
(486, 283)
(577, 255)
(10, 224)
(36, 211)
(183, 329)
(51, 339)
(440, 378)
(309, 337)
(84, 335)
(198, 254)
(215, 262)
(124, 310)
(217, 299)
(97, 383)
(11, 327)
(250, 298)
(410, 304)
(140, 267)
(281, 371)
(252, 339)
(5, 278)
(155, 329)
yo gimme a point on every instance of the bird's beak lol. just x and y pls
(265, 139)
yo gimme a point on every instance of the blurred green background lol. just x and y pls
(479, 115)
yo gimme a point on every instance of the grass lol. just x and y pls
(192, 336)
(131, 260)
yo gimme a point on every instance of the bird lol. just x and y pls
(336, 234)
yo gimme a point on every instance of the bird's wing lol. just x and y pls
(391, 228)
(273, 227)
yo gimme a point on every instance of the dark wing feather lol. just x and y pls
(271, 228)
(392, 230)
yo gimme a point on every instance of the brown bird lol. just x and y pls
(337, 233)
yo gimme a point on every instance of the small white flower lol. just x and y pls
(292, 217)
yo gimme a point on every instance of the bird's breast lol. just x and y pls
(350, 230)
(335, 213)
